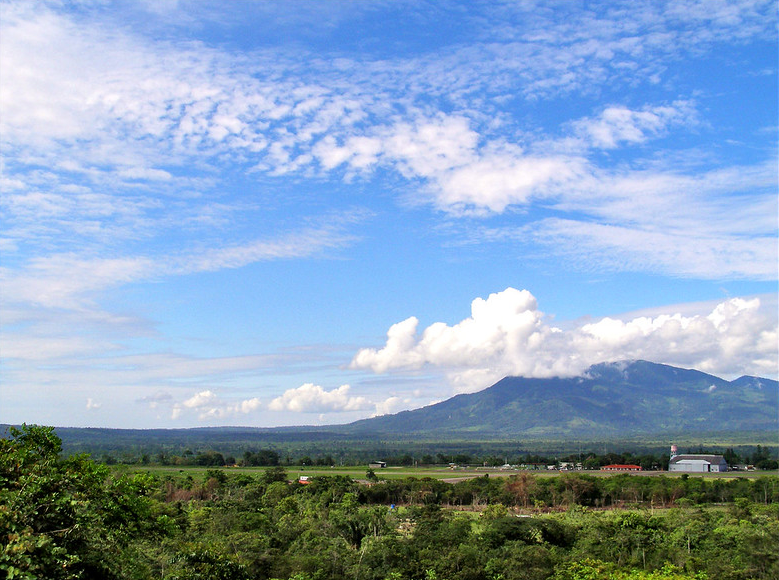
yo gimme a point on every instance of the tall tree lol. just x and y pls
(64, 518)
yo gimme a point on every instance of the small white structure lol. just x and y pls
(698, 463)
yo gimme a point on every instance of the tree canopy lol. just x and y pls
(73, 518)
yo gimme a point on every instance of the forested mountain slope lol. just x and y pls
(610, 399)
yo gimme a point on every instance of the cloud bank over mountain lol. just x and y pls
(507, 334)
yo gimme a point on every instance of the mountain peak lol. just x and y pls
(755, 382)
(610, 369)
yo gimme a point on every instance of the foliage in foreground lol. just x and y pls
(64, 518)
(70, 518)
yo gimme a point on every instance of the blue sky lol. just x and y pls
(286, 213)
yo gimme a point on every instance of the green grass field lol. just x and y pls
(443, 473)
(295, 471)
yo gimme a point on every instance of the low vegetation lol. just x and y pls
(70, 517)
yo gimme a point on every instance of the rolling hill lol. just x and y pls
(610, 399)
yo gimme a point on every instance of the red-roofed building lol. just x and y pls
(618, 467)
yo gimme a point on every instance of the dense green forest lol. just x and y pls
(70, 517)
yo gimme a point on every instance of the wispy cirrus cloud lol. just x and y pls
(72, 280)
(611, 247)
(715, 224)
(205, 104)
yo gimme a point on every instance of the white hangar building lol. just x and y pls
(698, 463)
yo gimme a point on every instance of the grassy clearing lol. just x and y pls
(393, 473)
(295, 471)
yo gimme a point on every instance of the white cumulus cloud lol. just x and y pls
(208, 405)
(311, 398)
(619, 124)
(391, 405)
(201, 399)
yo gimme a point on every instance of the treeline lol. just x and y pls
(68, 518)
(573, 489)
(760, 458)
